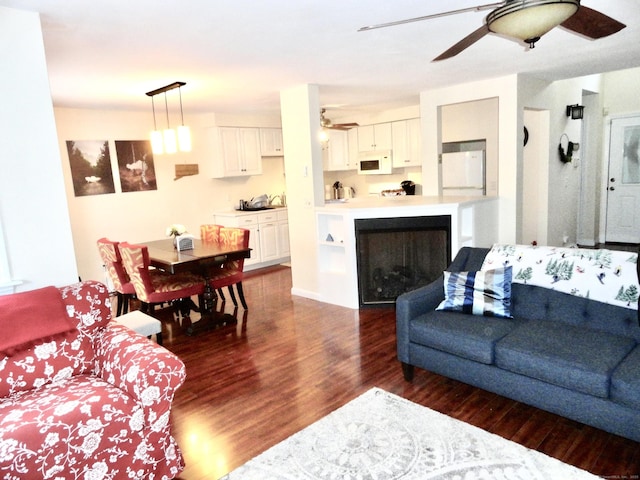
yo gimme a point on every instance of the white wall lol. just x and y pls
(535, 178)
(565, 178)
(300, 109)
(33, 208)
(143, 216)
(475, 120)
(622, 92)
(553, 217)
(510, 135)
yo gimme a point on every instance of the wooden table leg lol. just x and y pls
(210, 318)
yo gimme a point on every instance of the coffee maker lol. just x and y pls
(409, 187)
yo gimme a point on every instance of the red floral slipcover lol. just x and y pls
(92, 404)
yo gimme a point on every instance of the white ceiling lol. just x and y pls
(237, 55)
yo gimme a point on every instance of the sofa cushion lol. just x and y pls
(571, 357)
(479, 293)
(51, 431)
(625, 381)
(460, 334)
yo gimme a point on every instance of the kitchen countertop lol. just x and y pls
(402, 201)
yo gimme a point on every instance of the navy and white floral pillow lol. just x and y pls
(485, 292)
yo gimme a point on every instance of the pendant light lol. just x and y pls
(167, 141)
(156, 135)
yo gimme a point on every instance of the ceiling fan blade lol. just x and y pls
(592, 24)
(464, 43)
(429, 17)
(342, 126)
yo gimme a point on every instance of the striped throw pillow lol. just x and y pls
(479, 293)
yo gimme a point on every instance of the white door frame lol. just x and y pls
(604, 179)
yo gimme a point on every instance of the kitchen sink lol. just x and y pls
(256, 209)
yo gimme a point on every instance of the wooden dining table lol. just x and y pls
(200, 260)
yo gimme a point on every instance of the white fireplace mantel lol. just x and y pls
(474, 222)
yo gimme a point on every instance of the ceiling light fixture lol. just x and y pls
(166, 141)
(528, 20)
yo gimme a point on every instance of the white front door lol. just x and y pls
(623, 195)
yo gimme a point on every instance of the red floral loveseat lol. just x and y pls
(82, 397)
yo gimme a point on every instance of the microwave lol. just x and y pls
(376, 162)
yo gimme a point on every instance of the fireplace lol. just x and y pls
(397, 255)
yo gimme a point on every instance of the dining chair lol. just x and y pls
(115, 269)
(231, 273)
(210, 233)
(154, 286)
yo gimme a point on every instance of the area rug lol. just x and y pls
(380, 436)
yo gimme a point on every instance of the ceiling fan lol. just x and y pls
(326, 123)
(526, 20)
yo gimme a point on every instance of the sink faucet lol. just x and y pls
(282, 198)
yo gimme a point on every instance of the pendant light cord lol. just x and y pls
(166, 107)
(153, 109)
(181, 114)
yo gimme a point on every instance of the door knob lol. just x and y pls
(612, 188)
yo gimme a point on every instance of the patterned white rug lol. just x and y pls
(380, 436)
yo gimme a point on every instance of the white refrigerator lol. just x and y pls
(463, 173)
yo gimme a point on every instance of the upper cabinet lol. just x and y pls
(271, 142)
(374, 137)
(335, 151)
(406, 143)
(237, 152)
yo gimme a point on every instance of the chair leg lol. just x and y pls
(233, 296)
(120, 300)
(147, 308)
(126, 298)
(241, 295)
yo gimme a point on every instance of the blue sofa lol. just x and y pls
(575, 357)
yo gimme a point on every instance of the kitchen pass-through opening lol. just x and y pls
(397, 255)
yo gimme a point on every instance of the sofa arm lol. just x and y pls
(411, 305)
(143, 369)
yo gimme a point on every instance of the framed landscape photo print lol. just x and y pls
(90, 164)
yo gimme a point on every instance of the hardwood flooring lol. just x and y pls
(291, 361)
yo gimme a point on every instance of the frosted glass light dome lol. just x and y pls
(528, 20)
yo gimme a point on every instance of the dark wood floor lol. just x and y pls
(291, 361)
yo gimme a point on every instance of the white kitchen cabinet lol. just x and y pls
(268, 237)
(271, 142)
(237, 152)
(352, 139)
(335, 151)
(284, 249)
(268, 234)
(374, 137)
(406, 143)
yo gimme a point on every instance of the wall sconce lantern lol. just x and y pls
(575, 111)
(166, 141)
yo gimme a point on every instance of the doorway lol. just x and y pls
(623, 181)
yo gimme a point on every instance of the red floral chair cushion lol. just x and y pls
(93, 404)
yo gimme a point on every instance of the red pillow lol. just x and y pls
(29, 318)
